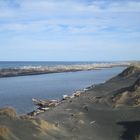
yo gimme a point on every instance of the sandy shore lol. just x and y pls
(109, 111)
(30, 70)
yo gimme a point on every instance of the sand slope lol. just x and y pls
(108, 111)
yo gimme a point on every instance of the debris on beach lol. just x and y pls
(65, 97)
(77, 94)
(91, 123)
(44, 105)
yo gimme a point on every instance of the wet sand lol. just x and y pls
(109, 111)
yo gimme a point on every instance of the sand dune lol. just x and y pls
(128, 96)
(108, 111)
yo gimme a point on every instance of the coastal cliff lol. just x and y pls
(109, 111)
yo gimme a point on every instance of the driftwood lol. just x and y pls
(45, 103)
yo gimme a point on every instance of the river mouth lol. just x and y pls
(19, 91)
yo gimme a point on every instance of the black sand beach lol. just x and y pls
(108, 111)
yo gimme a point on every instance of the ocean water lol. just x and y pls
(17, 64)
(19, 91)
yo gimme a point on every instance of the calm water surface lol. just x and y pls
(18, 64)
(19, 91)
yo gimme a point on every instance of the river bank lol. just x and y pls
(18, 91)
(108, 111)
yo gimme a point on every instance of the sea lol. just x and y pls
(18, 91)
(18, 64)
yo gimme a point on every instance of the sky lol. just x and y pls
(69, 30)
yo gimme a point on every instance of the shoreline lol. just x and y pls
(106, 111)
(25, 71)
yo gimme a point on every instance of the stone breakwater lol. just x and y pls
(30, 70)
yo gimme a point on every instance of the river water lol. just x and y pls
(19, 91)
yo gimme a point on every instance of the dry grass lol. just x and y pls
(44, 125)
(4, 132)
(138, 137)
(10, 112)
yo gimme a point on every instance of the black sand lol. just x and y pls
(109, 111)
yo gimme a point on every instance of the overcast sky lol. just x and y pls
(69, 30)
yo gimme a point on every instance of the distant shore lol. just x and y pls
(30, 70)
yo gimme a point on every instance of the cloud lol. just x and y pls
(70, 23)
